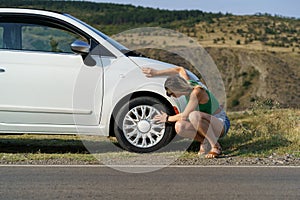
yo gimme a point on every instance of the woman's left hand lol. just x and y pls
(161, 118)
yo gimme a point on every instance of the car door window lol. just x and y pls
(49, 39)
(36, 37)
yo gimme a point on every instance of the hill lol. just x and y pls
(258, 56)
(251, 76)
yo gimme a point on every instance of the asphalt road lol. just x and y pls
(174, 183)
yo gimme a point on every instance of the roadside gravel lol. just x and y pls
(273, 160)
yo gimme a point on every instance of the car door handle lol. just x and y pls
(2, 70)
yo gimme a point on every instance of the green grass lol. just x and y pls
(262, 132)
(259, 132)
(26, 147)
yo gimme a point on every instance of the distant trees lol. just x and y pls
(270, 31)
(275, 31)
(115, 14)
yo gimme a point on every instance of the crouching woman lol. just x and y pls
(203, 119)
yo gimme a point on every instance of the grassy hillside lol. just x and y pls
(259, 32)
(258, 56)
(264, 131)
(209, 28)
(114, 18)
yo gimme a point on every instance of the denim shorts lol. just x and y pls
(223, 117)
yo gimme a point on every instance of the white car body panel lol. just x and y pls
(57, 93)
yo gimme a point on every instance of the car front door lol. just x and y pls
(39, 74)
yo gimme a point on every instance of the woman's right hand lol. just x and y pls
(149, 72)
(161, 118)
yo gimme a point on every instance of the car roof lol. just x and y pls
(30, 11)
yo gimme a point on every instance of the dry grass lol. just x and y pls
(261, 132)
(258, 132)
(259, 33)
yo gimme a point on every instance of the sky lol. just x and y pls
(287, 8)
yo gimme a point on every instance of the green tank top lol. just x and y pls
(212, 104)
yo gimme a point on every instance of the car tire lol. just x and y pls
(135, 129)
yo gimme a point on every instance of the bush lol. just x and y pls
(235, 102)
(264, 104)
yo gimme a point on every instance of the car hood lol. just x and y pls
(147, 62)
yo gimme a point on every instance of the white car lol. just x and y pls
(59, 75)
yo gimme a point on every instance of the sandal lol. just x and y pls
(215, 152)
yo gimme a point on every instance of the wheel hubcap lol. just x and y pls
(144, 126)
(140, 129)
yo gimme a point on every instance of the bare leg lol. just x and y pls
(204, 147)
(209, 126)
(186, 129)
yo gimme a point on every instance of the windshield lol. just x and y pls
(117, 45)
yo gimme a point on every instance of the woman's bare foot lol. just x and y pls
(204, 148)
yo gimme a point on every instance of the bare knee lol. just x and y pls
(179, 127)
(195, 117)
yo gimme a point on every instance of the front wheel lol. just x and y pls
(135, 128)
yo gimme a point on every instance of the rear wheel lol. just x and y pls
(135, 128)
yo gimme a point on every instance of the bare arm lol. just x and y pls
(191, 106)
(150, 72)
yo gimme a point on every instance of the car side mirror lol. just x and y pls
(80, 47)
(83, 49)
